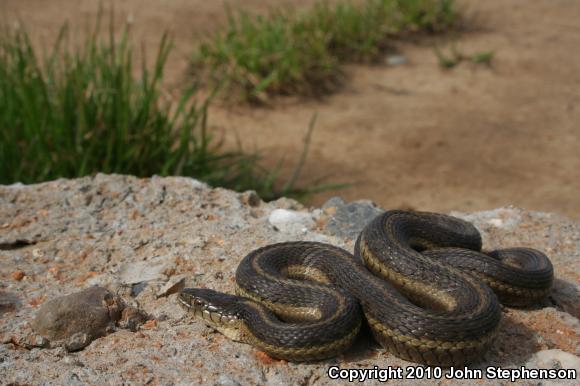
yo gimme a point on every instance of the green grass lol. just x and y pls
(82, 109)
(483, 57)
(303, 53)
(79, 110)
(267, 54)
(431, 16)
(454, 57)
(449, 60)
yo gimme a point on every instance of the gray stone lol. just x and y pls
(224, 380)
(396, 60)
(78, 341)
(77, 319)
(173, 285)
(333, 202)
(348, 220)
(144, 271)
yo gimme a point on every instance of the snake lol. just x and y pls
(419, 280)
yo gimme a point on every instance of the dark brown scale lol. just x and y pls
(275, 287)
(388, 237)
(429, 306)
(518, 276)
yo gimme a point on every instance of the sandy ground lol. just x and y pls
(414, 135)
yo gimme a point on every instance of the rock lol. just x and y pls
(554, 359)
(78, 341)
(17, 275)
(132, 318)
(250, 198)
(8, 300)
(503, 218)
(558, 360)
(174, 285)
(33, 340)
(75, 320)
(224, 380)
(348, 220)
(137, 288)
(291, 221)
(396, 60)
(332, 204)
(144, 271)
(141, 237)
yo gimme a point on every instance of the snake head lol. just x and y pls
(216, 308)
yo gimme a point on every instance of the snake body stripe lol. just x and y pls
(419, 278)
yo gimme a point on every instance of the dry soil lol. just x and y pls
(412, 135)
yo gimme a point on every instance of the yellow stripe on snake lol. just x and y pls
(420, 280)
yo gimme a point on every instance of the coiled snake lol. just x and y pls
(421, 280)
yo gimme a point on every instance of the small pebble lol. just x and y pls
(227, 381)
(291, 221)
(175, 284)
(150, 324)
(250, 198)
(77, 341)
(396, 60)
(17, 275)
(132, 318)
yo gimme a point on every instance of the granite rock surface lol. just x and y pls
(145, 239)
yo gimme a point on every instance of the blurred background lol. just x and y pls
(425, 104)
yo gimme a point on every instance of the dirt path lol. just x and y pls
(412, 135)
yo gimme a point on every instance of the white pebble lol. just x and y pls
(555, 358)
(291, 221)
